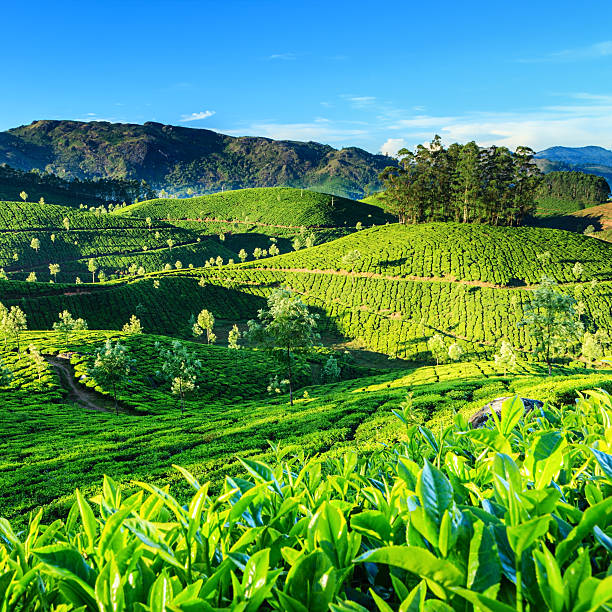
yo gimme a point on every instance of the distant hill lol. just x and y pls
(592, 160)
(184, 159)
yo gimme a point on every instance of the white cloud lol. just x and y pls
(392, 145)
(197, 116)
(594, 51)
(282, 56)
(319, 130)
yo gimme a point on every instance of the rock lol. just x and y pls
(479, 418)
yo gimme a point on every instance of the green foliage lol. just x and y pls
(133, 326)
(111, 365)
(67, 325)
(442, 520)
(583, 189)
(286, 324)
(437, 348)
(462, 183)
(13, 322)
(205, 323)
(181, 369)
(233, 338)
(551, 320)
(506, 358)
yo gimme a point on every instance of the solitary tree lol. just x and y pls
(233, 337)
(35, 244)
(13, 321)
(180, 368)
(331, 370)
(67, 325)
(170, 243)
(243, 255)
(148, 222)
(578, 270)
(273, 250)
(205, 323)
(31, 277)
(437, 348)
(133, 326)
(92, 266)
(351, 259)
(66, 223)
(550, 318)
(455, 351)
(506, 357)
(288, 324)
(37, 360)
(111, 364)
(23, 195)
(591, 349)
(54, 270)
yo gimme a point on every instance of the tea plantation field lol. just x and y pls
(283, 206)
(50, 444)
(498, 255)
(36, 235)
(407, 284)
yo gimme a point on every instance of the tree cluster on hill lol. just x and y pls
(52, 188)
(464, 183)
(588, 189)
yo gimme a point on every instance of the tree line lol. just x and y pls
(52, 188)
(462, 183)
(587, 189)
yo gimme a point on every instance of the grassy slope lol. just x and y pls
(275, 206)
(227, 420)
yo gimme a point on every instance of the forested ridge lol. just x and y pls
(36, 185)
(587, 189)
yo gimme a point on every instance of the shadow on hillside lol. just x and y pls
(566, 222)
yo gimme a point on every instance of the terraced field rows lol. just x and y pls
(395, 317)
(500, 255)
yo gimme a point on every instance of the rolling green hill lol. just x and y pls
(410, 283)
(281, 206)
(454, 251)
(70, 237)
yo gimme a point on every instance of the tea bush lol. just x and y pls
(514, 516)
(458, 251)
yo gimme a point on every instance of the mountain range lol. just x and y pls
(590, 159)
(187, 160)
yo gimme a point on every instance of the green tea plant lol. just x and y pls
(514, 516)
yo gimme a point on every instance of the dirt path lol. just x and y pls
(78, 394)
(256, 223)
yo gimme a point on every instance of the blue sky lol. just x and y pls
(367, 74)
